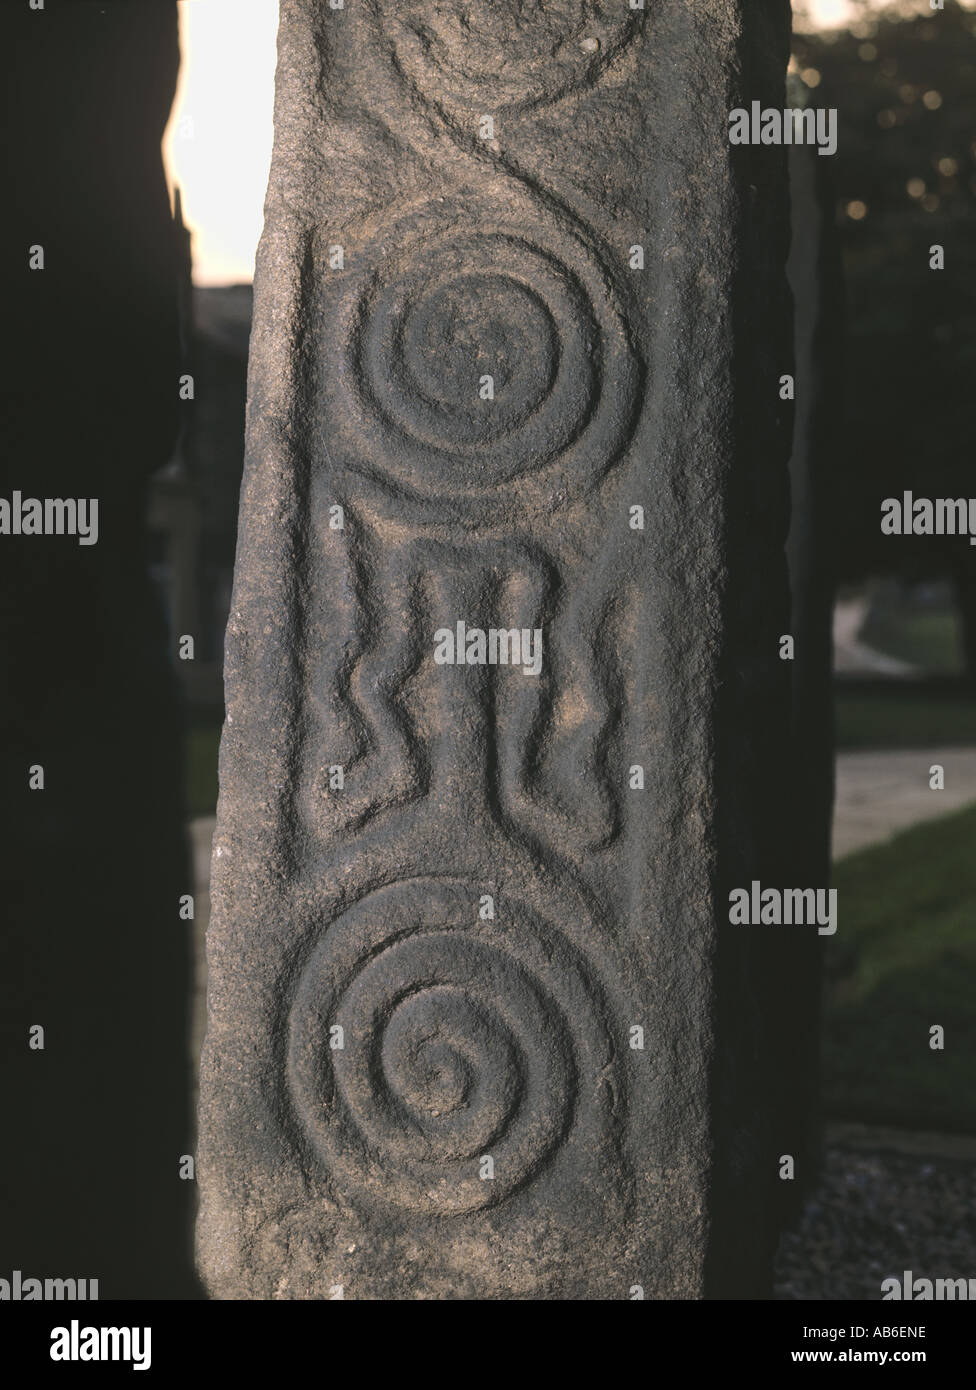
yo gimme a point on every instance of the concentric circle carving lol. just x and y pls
(484, 306)
(460, 1041)
(474, 357)
(505, 53)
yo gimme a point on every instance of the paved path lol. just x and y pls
(883, 791)
(855, 658)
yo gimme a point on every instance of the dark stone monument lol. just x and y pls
(478, 1024)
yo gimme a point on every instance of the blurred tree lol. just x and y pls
(905, 177)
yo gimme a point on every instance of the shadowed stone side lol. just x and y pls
(471, 1033)
(94, 864)
(815, 275)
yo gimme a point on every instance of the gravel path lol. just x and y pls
(877, 1214)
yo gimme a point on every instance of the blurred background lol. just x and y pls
(896, 1190)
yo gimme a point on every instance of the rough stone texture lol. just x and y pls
(359, 908)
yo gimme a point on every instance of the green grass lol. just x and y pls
(902, 717)
(906, 947)
(202, 743)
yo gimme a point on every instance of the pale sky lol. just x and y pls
(217, 146)
(830, 14)
(218, 143)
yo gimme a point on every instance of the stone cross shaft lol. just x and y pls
(476, 1028)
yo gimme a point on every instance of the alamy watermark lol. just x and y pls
(916, 1290)
(21, 1289)
(774, 907)
(795, 126)
(77, 1343)
(496, 646)
(927, 516)
(50, 516)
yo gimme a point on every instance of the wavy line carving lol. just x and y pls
(553, 785)
(363, 722)
(463, 1040)
(547, 781)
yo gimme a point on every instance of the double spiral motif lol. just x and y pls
(459, 1042)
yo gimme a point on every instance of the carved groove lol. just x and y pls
(367, 724)
(430, 320)
(505, 54)
(460, 1041)
(591, 1030)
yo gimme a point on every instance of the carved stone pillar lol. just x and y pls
(477, 1027)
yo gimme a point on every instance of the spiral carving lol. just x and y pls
(452, 308)
(460, 1041)
(505, 53)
